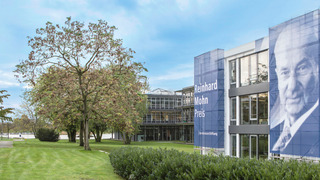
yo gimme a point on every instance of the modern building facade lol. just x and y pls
(261, 99)
(169, 116)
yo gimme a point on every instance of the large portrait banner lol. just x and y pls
(294, 87)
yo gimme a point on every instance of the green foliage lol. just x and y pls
(4, 111)
(148, 163)
(45, 134)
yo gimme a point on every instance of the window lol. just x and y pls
(263, 58)
(244, 109)
(244, 145)
(263, 108)
(233, 74)
(253, 146)
(263, 147)
(254, 109)
(254, 69)
(233, 111)
(233, 145)
(245, 71)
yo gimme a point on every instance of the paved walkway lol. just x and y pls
(6, 144)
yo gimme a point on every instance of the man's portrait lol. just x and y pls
(294, 130)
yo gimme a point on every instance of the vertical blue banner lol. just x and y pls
(294, 86)
(209, 99)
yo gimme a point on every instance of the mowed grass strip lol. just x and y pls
(44, 160)
(32, 159)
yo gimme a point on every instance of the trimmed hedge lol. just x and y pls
(148, 163)
(45, 134)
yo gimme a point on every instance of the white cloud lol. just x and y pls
(6, 84)
(183, 4)
(127, 25)
(7, 79)
(184, 71)
(27, 86)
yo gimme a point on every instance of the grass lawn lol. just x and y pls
(63, 160)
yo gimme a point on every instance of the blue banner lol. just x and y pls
(294, 86)
(209, 99)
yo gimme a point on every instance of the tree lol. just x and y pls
(58, 100)
(97, 128)
(4, 111)
(77, 49)
(127, 102)
(28, 109)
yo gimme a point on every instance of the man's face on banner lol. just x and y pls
(297, 73)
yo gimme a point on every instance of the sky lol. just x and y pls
(166, 34)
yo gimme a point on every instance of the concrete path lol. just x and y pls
(6, 144)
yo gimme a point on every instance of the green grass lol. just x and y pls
(32, 159)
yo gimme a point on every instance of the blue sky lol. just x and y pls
(166, 34)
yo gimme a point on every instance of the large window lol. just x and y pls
(233, 73)
(254, 68)
(263, 108)
(233, 111)
(254, 109)
(254, 146)
(244, 145)
(244, 109)
(263, 62)
(233, 145)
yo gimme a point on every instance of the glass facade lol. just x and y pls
(253, 106)
(233, 111)
(254, 109)
(170, 116)
(253, 68)
(254, 146)
(233, 73)
(233, 145)
(164, 102)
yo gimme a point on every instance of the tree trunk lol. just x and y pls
(96, 134)
(127, 138)
(86, 140)
(85, 112)
(81, 133)
(72, 132)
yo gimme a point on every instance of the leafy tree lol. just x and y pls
(28, 113)
(58, 100)
(8, 126)
(23, 124)
(4, 111)
(128, 103)
(79, 49)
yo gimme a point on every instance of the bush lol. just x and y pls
(45, 134)
(139, 163)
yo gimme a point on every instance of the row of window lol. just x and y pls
(163, 116)
(164, 103)
(253, 69)
(253, 109)
(167, 133)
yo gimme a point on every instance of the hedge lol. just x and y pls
(45, 134)
(148, 163)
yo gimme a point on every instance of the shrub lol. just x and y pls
(140, 163)
(45, 134)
